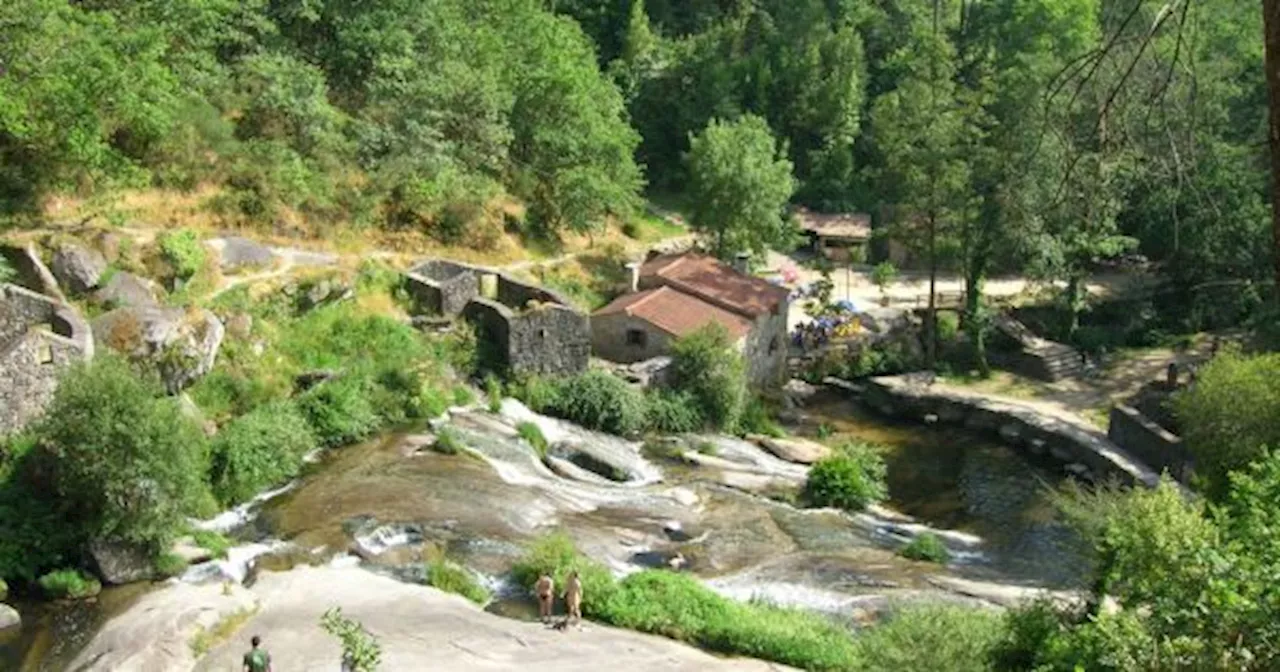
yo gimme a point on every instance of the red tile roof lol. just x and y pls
(715, 282)
(675, 312)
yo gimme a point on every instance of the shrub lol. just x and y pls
(601, 401)
(934, 637)
(948, 326)
(851, 479)
(451, 578)
(1224, 434)
(462, 396)
(339, 412)
(556, 556)
(706, 366)
(361, 651)
(69, 584)
(883, 275)
(758, 419)
(211, 541)
(448, 442)
(927, 547)
(7, 274)
(259, 450)
(169, 564)
(183, 250)
(108, 433)
(493, 392)
(536, 392)
(672, 412)
(531, 433)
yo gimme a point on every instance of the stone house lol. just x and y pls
(39, 337)
(676, 294)
(532, 329)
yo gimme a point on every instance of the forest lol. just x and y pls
(1040, 138)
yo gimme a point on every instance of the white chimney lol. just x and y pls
(635, 276)
(742, 263)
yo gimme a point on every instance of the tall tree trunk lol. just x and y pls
(975, 321)
(931, 318)
(1271, 21)
(1075, 303)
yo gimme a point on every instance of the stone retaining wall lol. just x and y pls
(1021, 426)
(1149, 442)
(39, 337)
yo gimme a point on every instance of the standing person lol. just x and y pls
(545, 589)
(573, 597)
(257, 659)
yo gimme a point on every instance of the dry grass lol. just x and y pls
(206, 638)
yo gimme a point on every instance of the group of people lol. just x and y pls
(545, 589)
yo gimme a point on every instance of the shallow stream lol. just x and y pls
(727, 518)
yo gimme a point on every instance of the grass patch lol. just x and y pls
(170, 564)
(927, 547)
(207, 638)
(69, 584)
(463, 396)
(493, 392)
(678, 606)
(453, 578)
(531, 433)
(211, 541)
(448, 442)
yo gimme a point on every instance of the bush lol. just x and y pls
(556, 556)
(927, 547)
(706, 366)
(536, 392)
(601, 401)
(7, 274)
(339, 412)
(361, 651)
(1222, 433)
(257, 451)
(448, 442)
(169, 564)
(211, 541)
(462, 396)
(107, 434)
(69, 584)
(183, 250)
(493, 392)
(758, 419)
(671, 412)
(451, 578)
(948, 326)
(531, 433)
(934, 637)
(851, 479)
(883, 275)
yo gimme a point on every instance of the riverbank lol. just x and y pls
(419, 628)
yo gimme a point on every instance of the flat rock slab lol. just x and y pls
(419, 628)
(800, 451)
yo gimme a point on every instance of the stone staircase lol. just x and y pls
(1036, 357)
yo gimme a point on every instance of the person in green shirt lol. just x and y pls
(257, 659)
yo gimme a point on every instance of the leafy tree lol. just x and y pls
(258, 450)
(126, 463)
(706, 367)
(740, 183)
(1223, 433)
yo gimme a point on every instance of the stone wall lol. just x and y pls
(38, 339)
(766, 348)
(532, 329)
(1149, 442)
(609, 339)
(914, 397)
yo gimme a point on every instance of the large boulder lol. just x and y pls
(181, 343)
(235, 254)
(800, 451)
(120, 562)
(126, 290)
(9, 617)
(78, 268)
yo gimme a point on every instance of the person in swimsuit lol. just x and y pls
(573, 597)
(545, 589)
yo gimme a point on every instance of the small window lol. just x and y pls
(542, 333)
(773, 345)
(637, 338)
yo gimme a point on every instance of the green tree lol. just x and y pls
(706, 366)
(127, 464)
(740, 182)
(1230, 414)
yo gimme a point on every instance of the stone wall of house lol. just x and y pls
(766, 348)
(39, 337)
(534, 330)
(914, 397)
(1149, 442)
(609, 339)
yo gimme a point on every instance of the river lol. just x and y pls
(729, 517)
